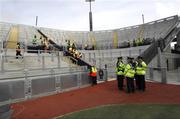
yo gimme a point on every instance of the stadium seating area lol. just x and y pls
(117, 38)
(47, 66)
(128, 37)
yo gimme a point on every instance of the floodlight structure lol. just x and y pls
(36, 21)
(143, 18)
(90, 15)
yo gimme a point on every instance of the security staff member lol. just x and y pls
(101, 73)
(93, 75)
(18, 51)
(129, 74)
(34, 40)
(120, 73)
(140, 74)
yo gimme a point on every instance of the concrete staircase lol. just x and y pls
(12, 38)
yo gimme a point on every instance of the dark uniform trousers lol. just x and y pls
(137, 81)
(120, 80)
(140, 82)
(18, 53)
(94, 80)
(130, 85)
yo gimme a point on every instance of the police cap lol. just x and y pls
(131, 58)
(119, 57)
(139, 57)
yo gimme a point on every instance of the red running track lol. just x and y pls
(101, 94)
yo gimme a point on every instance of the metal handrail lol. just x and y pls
(154, 45)
(46, 74)
(73, 59)
(7, 37)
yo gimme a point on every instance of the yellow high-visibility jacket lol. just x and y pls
(129, 71)
(93, 71)
(120, 68)
(141, 68)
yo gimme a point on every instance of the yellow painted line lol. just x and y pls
(13, 38)
(115, 39)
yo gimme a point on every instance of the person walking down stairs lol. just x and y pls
(18, 51)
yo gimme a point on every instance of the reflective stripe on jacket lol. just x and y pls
(34, 40)
(120, 69)
(141, 69)
(93, 71)
(129, 71)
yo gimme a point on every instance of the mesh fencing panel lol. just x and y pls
(43, 85)
(69, 81)
(85, 79)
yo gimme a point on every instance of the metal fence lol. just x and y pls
(102, 57)
(31, 84)
(157, 74)
(18, 86)
(162, 75)
(34, 83)
(39, 60)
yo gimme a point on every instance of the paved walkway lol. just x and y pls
(102, 94)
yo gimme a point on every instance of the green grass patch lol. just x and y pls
(129, 111)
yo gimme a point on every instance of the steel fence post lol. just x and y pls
(27, 85)
(52, 72)
(58, 60)
(106, 73)
(24, 59)
(83, 56)
(2, 63)
(39, 55)
(151, 73)
(178, 74)
(164, 75)
(89, 57)
(79, 79)
(159, 59)
(43, 62)
(52, 57)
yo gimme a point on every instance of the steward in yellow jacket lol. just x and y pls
(140, 74)
(120, 73)
(93, 75)
(129, 74)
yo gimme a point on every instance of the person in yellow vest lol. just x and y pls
(34, 40)
(79, 55)
(120, 73)
(70, 50)
(140, 74)
(129, 72)
(93, 75)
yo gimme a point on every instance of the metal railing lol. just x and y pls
(150, 52)
(157, 74)
(100, 57)
(163, 43)
(36, 83)
(42, 59)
